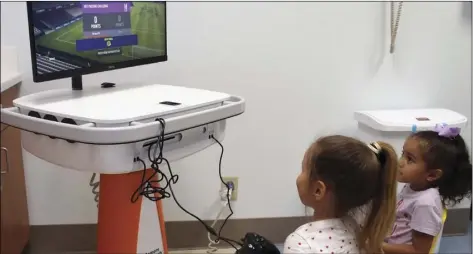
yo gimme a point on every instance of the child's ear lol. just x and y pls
(319, 190)
(434, 175)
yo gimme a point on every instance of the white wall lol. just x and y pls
(303, 69)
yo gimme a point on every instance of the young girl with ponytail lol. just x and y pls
(340, 176)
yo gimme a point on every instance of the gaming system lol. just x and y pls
(71, 39)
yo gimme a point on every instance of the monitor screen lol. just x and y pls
(76, 38)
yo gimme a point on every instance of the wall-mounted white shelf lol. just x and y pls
(10, 74)
(405, 119)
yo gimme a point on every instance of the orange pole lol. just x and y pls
(119, 218)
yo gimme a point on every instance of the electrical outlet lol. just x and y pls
(223, 188)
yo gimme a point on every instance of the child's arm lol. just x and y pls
(421, 243)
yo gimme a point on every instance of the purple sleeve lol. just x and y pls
(427, 219)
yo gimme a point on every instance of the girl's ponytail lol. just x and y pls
(381, 216)
(455, 185)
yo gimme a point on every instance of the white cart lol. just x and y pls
(103, 130)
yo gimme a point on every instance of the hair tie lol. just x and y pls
(448, 132)
(379, 152)
(375, 147)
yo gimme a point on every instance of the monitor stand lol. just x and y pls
(77, 83)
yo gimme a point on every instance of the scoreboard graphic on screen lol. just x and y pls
(84, 35)
(106, 27)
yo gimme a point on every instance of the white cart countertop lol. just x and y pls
(405, 119)
(10, 74)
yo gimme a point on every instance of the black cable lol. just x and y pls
(149, 187)
(225, 184)
(209, 229)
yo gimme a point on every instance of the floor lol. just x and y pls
(448, 244)
(456, 244)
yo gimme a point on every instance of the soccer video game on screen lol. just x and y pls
(72, 35)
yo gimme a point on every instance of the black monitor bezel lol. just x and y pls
(90, 70)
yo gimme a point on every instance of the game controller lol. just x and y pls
(257, 244)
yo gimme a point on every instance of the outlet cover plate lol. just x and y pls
(235, 186)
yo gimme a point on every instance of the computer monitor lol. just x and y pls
(71, 39)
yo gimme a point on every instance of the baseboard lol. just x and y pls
(458, 222)
(53, 239)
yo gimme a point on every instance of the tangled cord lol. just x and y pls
(95, 185)
(149, 187)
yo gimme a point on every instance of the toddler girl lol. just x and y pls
(436, 167)
(338, 175)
